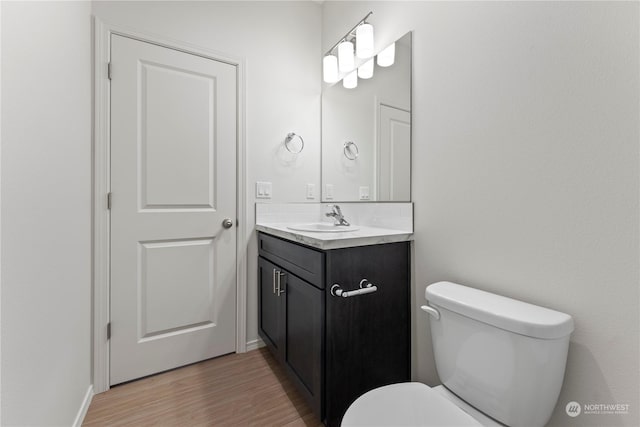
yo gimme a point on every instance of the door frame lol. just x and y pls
(101, 187)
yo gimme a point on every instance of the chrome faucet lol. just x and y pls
(336, 214)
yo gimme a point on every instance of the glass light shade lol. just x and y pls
(364, 41)
(350, 81)
(330, 68)
(346, 60)
(387, 56)
(365, 71)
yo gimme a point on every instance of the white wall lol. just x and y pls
(0, 213)
(280, 42)
(525, 170)
(46, 211)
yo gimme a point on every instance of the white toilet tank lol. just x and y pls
(504, 357)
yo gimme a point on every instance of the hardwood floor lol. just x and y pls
(247, 389)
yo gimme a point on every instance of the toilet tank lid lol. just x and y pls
(502, 312)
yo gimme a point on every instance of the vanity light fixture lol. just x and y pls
(350, 81)
(330, 68)
(387, 56)
(358, 41)
(365, 71)
(364, 41)
(346, 60)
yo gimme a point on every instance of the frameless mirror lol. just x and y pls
(366, 134)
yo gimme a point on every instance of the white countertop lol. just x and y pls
(364, 236)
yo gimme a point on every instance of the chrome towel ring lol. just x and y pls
(350, 150)
(290, 143)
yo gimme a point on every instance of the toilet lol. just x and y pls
(501, 362)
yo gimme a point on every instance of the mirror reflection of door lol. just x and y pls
(393, 173)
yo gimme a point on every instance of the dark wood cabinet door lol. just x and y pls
(271, 314)
(305, 337)
(368, 341)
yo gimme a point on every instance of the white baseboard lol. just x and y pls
(254, 344)
(82, 412)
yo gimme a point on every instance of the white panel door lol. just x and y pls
(394, 154)
(173, 182)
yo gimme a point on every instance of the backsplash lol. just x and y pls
(394, 216)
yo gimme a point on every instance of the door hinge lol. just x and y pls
(109, 200)
(109, 330)
(109, 70)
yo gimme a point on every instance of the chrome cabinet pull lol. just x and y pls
(274, 280)
(366, 287)
(280, 290)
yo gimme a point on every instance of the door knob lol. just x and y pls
(227, 223)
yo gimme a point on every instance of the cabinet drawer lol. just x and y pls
(302, 261)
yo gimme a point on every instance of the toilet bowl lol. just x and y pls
(501, 362)
(413, 404)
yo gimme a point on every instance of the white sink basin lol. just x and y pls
(322, 227)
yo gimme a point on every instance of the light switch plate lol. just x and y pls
(263, 190)
(311, 191)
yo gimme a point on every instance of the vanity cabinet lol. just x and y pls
(335, 348)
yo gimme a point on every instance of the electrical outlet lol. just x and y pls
(311, 191)
(328, 190)
(364, 193)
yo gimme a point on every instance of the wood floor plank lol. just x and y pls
(248, 389)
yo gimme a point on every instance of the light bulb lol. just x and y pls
(330, 68)
(365, 71)
(346, 61)
(364, 41)
(387, 56)
(350, 81)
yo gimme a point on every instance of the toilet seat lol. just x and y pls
(406, 404)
